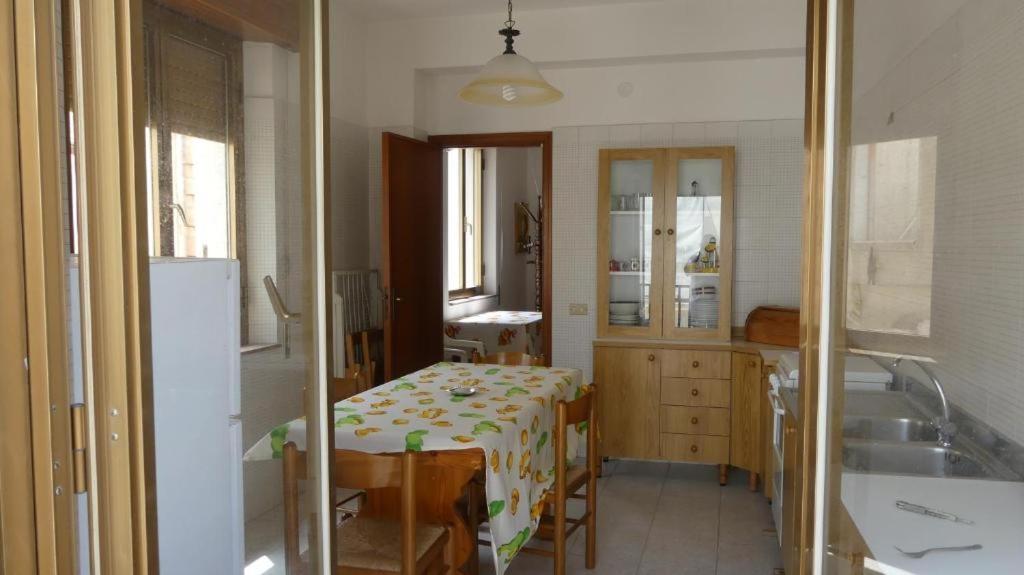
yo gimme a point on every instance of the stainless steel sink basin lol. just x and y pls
(888, 428)
(907, 458)
(887, 432)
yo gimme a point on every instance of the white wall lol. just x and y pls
(573, 46)
(710, 90)
(349, 141)
(514, 186)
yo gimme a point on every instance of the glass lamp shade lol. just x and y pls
(510, 80)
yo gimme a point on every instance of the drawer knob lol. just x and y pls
(650, 357)
(695, 363)
(752, 363)
(693, 448)
(693, 420)
(694, 392)
(671, 231)
(657, 231)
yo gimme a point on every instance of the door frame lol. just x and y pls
(543, 140)
(815, 306)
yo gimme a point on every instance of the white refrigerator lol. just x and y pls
(197, 406)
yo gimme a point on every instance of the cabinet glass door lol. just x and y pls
(698, 217)
(631, 186)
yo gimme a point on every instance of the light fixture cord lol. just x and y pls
(509, 31)
(510, 23)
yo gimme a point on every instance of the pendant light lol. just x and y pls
(509, 79)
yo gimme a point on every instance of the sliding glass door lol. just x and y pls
(169, 209)
(919, 440)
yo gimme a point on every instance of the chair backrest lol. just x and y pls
(509, 358)
(365, 350)
(346, 387)
(580, 410)
(353, 470)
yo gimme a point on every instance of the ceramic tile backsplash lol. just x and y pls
(964, 86)
(769, 163)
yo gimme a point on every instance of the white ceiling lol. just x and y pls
(376, 10)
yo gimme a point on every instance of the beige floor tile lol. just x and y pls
(653, 519)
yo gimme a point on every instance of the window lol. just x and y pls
(194, 142)
(892, 205)
(463, 183)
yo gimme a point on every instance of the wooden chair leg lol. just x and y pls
(560, 540)
(723, 473)
(752, 481)
(591, 526)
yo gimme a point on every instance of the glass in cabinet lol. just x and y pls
(631, 186)
(665, 243)
(698, 252)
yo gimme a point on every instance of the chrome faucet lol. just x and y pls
(943, 424)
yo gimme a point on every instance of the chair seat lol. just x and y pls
(377, 543)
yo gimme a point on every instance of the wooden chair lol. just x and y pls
(509, 358)
(364, 351)
(368, 546)
(348, 501)
(569, 480)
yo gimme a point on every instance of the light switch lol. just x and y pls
(577, 309)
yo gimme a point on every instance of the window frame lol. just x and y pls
(158, 22)
(462, 292)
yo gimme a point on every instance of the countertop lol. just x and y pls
(997, 507)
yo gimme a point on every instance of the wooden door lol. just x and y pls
(412, 260)
(629, 379)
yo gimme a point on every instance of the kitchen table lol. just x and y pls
(501, 331)
(506, 430)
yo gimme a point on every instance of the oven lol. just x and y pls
(778, 449)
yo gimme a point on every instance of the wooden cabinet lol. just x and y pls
(665, 243)
(746, 448)
(792, 508)
(628, 384)
(681, 402)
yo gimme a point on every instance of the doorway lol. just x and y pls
(513, 187)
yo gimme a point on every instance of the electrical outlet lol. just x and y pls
(577, 309)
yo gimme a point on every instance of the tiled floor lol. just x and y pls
(670, 519)
(653, 519)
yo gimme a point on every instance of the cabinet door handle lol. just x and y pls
(650, 357)
(693, 421)
(695, 364)
(694, 392)
(752, 363)
(657, 231)
(693, 448)
(670, 231)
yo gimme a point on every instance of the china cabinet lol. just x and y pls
(665, 243)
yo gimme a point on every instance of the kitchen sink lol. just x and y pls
(912, 459)
(885, 432)
(888, 428)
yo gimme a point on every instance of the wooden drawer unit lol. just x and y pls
(696, 364)
(694, 420)
(696, 448)
(695, 392)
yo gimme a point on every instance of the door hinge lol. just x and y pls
(78, 460)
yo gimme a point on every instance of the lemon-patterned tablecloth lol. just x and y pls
(511, 418)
